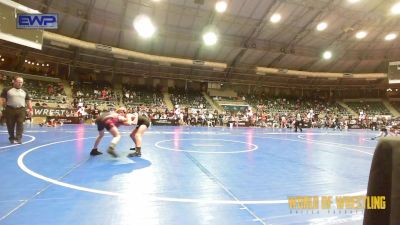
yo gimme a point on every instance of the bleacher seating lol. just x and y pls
(288, 105)
(141, 95)
(265, 110)
(43, 91)
(396, 105)
(94, 93)
(369, 107)
(189, 99)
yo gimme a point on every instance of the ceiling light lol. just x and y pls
(353, 1)
(361, 34)
(144, 26)
(327, 55)
(390, 36)
(276, 18)
(221, 6)
(322, 26)
(395, 8)
(210, 38)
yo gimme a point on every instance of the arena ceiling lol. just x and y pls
(247, 38)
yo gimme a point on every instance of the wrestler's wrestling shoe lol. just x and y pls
(137, 153)
(95, 152)
(111, 151)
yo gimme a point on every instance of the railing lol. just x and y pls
(30, 76)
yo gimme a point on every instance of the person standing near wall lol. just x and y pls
(16, 100)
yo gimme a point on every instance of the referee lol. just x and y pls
(15, 100)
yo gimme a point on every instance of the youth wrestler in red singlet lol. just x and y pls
(110, 121)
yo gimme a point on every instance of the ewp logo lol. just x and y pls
(37, 21)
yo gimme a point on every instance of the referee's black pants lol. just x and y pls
(298, 124)
(15, 117)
